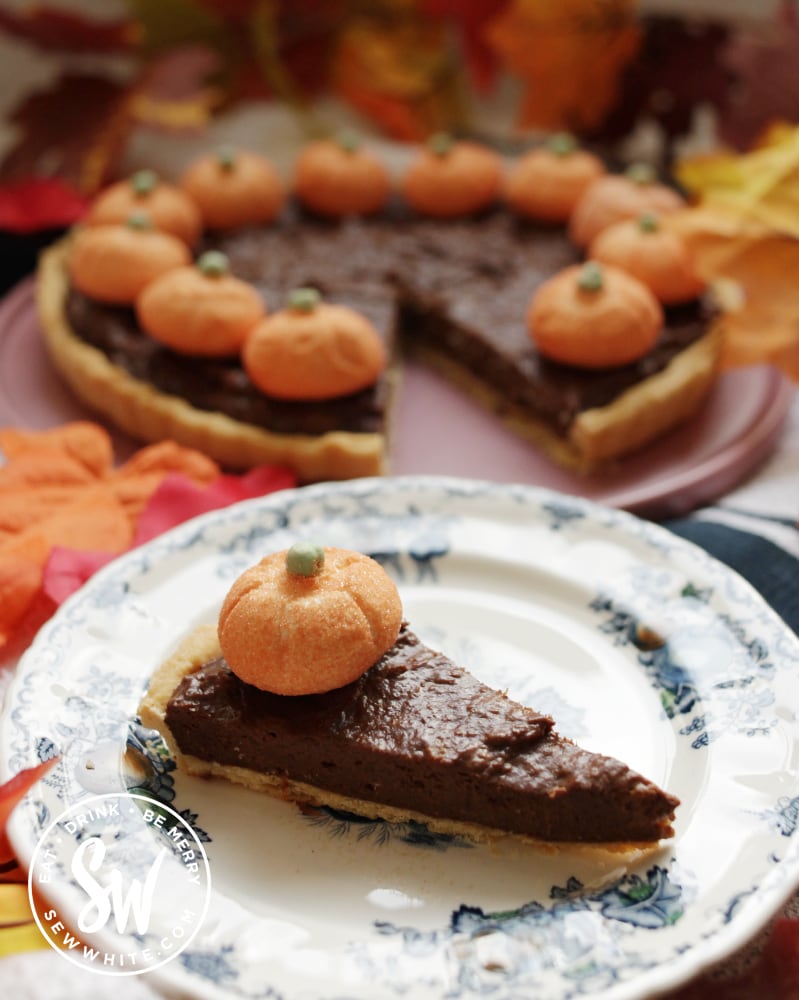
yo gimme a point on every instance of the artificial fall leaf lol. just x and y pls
(66, 509)
(262, 48)
(80, 441)
(14, 906)
(470, 20)
(762, 58)
(570, 55)
(164, 25)
(761, 185)
(65, 31)
(173, 90)
(230, 10)
(60, 488)
(74, 130)
(397, 73)
(744, 235)
(772, 973)
(754, 272)
(39, 203)
(265, 33)
(308, 30)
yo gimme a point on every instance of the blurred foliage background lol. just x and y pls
(599, 68)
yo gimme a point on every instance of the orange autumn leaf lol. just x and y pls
(20, 579)
(60, 488)
(753, 270)
(23, 506)
(43, 468)
(134, 492)
(92, 520)
(135, 482)
(167, 456)
(765, 327)
(86, 442)
(744, 234)
(398, 73)
(570, 55)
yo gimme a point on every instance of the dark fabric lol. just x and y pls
(19, 252)
(770, 569)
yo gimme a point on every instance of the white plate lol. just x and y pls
(546, 595)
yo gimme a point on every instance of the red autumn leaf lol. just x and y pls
(773, 973)
(178, 498)
(75, 130)
(39, 203)
(63, 31)
(307, 31)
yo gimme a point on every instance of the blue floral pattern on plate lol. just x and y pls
(648, 649)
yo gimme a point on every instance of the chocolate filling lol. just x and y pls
(460, 287)
(419, 733)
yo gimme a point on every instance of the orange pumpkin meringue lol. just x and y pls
(547, 182)
(200, 310)
(313, 350)
(594, 316)
(169, 208)
(338, 177)
(615, 197)
(308, 620)
(652, 253)
(449, 178)
(114, 262)
(234, 188)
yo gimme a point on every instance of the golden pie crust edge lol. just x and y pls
(202, 646)
(598, 436)
(150, 415)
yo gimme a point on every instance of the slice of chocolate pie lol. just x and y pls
(414, 737)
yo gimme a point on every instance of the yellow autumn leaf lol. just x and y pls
(762, 184)
(744, 234)
(752, 268)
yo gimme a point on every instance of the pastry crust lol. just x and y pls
(603, 434)
(202, 646)
(150, 415)
(596, 438)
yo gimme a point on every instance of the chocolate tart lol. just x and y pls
(416, 737)
(453, 293)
